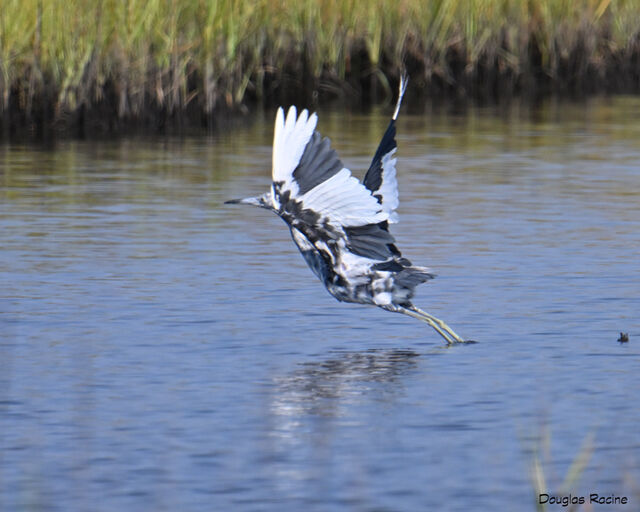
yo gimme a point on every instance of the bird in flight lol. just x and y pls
(341, 226)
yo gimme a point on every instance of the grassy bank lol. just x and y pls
(114, 62)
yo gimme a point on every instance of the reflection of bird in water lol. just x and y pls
(321, 406)
(319, 387)
(340, 225)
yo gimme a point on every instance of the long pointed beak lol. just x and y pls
(247, 200)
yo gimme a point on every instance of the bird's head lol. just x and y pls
(263, 201)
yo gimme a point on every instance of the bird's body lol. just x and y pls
(341, 226)
(353, 278)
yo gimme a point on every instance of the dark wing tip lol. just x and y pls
(373, 178)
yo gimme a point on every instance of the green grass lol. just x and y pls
(124, 58)
(541, 458)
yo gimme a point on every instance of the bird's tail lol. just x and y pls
(410, 277)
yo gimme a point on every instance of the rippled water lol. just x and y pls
(162, 351)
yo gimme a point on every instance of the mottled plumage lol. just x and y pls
(341, 226)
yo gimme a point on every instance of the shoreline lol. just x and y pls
(172, 66)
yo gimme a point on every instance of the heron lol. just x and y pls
(341, 225)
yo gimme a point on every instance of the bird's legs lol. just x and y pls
(440, 327)
(440, 323)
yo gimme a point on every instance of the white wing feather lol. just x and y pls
(341, 199)
(344, 201)
(289, 140)
(389, 188)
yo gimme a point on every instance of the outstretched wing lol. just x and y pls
(310, 183)
(381, 177)
(340, 225)
(317, 196)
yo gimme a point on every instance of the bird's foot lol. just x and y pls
(460, 341)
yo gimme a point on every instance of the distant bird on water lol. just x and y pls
(340, 225)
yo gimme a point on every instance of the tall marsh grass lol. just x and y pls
(161, 59)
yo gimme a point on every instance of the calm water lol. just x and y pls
(162, 351)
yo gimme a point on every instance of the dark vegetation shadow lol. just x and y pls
(174, 66)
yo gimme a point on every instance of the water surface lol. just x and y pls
(160, 350)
